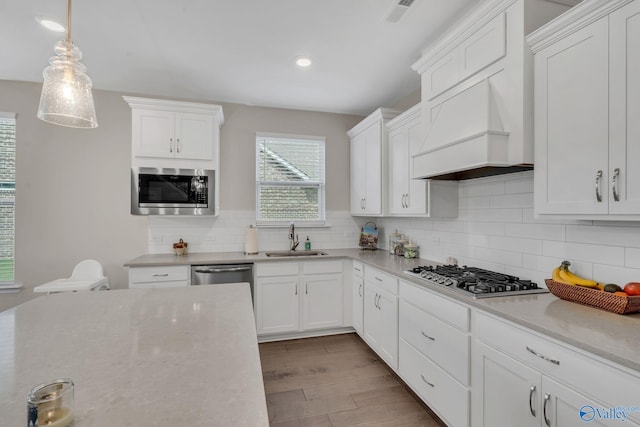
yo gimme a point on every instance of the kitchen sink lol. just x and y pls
(294, 253)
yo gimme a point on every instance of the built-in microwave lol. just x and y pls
(156, 191)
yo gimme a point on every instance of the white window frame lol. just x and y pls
(10, 116)
(320, 184)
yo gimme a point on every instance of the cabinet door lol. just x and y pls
(373, 181)
(152, 133)
(358, 304)
(398, 170)
(358, 173)
(417, 199)
(564, 407)
(194, 136)
(371, 317)
(388, 342)
(624, 143)
(322, 301)
(502, 391)
(277, 306)
(571, 123)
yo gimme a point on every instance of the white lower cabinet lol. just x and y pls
(434, 351)
(298, 296)
(381, 314)
(173, 276)
(520, 378)
(358, 297)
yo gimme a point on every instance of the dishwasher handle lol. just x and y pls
(221, 269)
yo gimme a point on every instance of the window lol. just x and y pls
(290, 179)
(7, 195)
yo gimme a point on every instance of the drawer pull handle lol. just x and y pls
(542, 356)
(547, 397)
(378, 279)
(360, 290)
(427, 382)
(161, 275)
(531, 391)
(427, 336)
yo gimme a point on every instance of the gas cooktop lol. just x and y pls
(476, 282)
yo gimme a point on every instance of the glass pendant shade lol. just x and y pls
(66, 97)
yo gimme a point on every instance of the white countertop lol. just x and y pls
(138, 357)
(611, 336)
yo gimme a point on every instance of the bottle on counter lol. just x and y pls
(393, 239)
(307, 244)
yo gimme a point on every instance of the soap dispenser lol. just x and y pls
(307, 244)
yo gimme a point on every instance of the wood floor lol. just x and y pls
(335, 381)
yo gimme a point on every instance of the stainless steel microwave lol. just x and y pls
(156, 191)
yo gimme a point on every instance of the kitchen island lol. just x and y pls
(162, 357)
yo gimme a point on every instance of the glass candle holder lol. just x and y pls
(51, 404)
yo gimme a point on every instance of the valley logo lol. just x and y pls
(589, 413)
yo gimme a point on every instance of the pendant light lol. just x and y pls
(66, 97)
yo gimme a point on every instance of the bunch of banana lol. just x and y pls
(561, 274)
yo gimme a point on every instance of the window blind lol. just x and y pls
(290, 179)
(7, 197)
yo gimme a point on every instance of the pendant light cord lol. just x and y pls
(68, 32)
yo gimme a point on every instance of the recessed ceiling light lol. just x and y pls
(303, 61)
(50, 24)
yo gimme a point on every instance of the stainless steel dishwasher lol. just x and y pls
(222, 273)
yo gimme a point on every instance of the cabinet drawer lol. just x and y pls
(603, 380)
(383, 280)
(448, 398)
(445, 345)
(267, 269)
(446, 310)
(358, 269)
(174, 273)
(320, 267)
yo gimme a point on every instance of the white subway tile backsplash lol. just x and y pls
(613, 255)
(618, 275)
(490, 228)
(481, 187)
(523, 200)
(632, 259)
(495, 229)
(602, 235)
(516, 244)
(536, 231)
(490, 215)
(499, 256)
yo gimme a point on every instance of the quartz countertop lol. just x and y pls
(162, 357)
(612, 336)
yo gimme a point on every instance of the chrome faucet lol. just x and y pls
(293, 237)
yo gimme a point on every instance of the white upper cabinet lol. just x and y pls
(414, 197)
(477, 92)
(368, 161)
(587, 100)
(179, 133)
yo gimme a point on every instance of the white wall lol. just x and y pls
(73, 187)
(496, 230)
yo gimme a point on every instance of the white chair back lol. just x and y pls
(87, 270)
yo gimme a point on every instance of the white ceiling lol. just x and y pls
(235, 51)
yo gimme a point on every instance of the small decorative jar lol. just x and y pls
(400, 245)
(393, 241)
(411, 250)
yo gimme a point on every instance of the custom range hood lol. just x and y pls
(466, 139)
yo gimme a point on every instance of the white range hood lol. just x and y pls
(466, 138)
